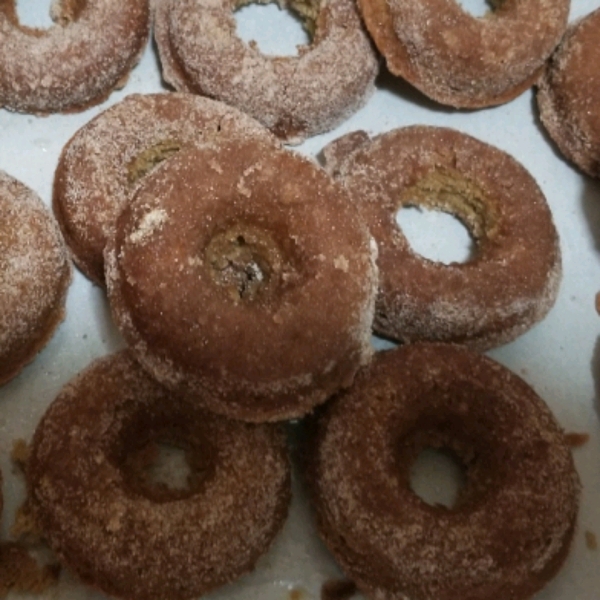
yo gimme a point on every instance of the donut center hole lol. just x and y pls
(150, 158)
(276, 28)
(438, 477)
(479, 8)
(59, 12)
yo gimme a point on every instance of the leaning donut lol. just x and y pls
(461, 60)
(251, 290)
(510, 529)
(75, 63)
(133, 538)
(569, 95)
(294, 96)
(512, 280)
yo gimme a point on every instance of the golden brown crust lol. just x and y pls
(257, 289)
(75, 63)
(569, 95)
(119, 536)
(512, 280)
(461, 60)
(101, 165)
(35, 274)
(511, 527)
(294, 96)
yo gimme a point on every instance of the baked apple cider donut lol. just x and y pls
(35, 273)
(92, 491)
(250, 290)
(512, 279)
(77, 62)
(461, 60)
(569, 95)
(293, 96)
(101, 165)
(509, 530)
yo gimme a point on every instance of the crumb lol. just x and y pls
(20, 572)
(296, 594)
(20, 453)
(25, 527)
(597, 302)
(576, 440)
(590, 540)
(338, 589)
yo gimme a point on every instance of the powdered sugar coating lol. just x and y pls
(513, 278)
(295, 97)
(76, 62)
(34, 276)
(125, 540)
(511, 527)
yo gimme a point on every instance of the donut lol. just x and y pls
(127, 535)
(35, 273)
(294, 96)
(77, 62)
(509, 530)
(251, 291)
(461, 60)
(101, 164)
(568, 95)
(511, 281)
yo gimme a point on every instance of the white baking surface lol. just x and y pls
(560, 357)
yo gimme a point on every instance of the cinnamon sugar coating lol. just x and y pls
(250, 290)
(511, 281)
(34, 276)
(102, 164)
(293, 96)
(511, 526)
(142, 542)
(569, 95)
(461, 60)
(77, 62)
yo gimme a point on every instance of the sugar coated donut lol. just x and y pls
(34, 276)
(461, 60)
(510, 528)
(512, 280)
(77, 62)
(250, 290)
(569, 95)
(294, 96)
(101, 164)
(127, 535)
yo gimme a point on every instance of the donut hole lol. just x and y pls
(29, 15)
(480, 8)
(276, 28)
(147, 160)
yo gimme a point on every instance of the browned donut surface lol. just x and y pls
(511, 281)
(77, 62)
(244, 271)
(34, 276)
(103, 162)
(294, 96)
(461, 60)
(511, 526)
(131, 538)
(569, 95)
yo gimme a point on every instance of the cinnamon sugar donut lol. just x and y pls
(252, 291)
(75, 63)
(127, 535)
(512, 280)
(461, 60)
(34, 276)
(569, 95)
(510, 529)
(101, 164)
(294, 96)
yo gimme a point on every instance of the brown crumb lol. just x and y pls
(25, 528)
(590, 540)
(20, 453)
(296, 594)
(597, 302)
(576, 440)
(20, 572)
(338, 589)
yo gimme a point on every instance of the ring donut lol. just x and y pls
(250, 290)
(293, 96)
(510, 529)
(77, 62)
(35, 273)
(461, 60)
(101, 164)
(134, 539)
(512, 280)
(569, 95)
